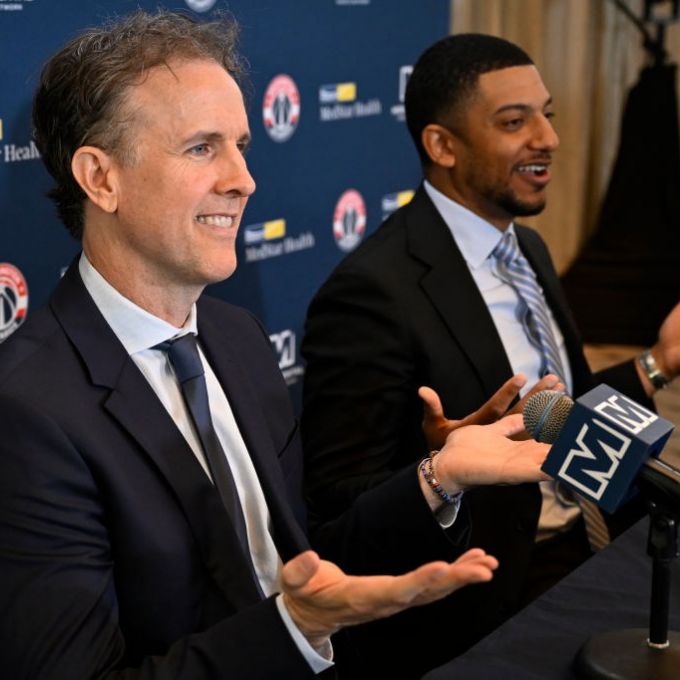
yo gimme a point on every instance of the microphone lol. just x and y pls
(600, 443)
(603, 443)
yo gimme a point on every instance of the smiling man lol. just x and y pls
(151, 516)
(452, 293)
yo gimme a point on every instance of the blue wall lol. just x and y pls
(346, 63)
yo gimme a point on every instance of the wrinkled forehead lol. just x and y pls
(184, 92)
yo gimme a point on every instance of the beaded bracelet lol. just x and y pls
(427, 469)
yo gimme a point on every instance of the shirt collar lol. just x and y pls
(475, 237)
(136, 328)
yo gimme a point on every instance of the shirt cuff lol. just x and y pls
(318, 662)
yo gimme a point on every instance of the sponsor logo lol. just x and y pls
(340, 92)
(13, 5)
(265, 240)
(338, 101)
(285, 346)
(341, 3)
(264, 231)
(391, 202)
(13, 153)
(13, 299)
(591, 466)
(200, 5)
(349, 220)
(398, 110)
(281, 108)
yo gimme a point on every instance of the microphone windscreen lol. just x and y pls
(545, 414)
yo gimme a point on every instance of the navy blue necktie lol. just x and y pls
(183, 355)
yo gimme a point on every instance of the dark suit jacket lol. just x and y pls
(117, 558)
(400, 312)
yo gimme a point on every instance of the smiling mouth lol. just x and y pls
(535, 169)
(216, 220)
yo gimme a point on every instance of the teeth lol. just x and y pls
(532, 168)
(215, 220)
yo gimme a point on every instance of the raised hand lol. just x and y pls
(322, 599)
(482, 455)
(437, 427)
(667, 349)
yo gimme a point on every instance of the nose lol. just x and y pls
(233, 176)
(544, 137)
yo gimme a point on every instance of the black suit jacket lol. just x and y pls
(117, 558)
(403, 311)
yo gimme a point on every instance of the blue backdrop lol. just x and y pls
(330, 154)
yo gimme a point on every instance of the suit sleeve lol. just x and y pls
(360, 410)
(58, 597)
(359, 386)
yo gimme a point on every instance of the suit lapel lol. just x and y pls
(454, 294)
(252, 423)
(134, 405)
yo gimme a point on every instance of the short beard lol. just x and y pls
(513, 206)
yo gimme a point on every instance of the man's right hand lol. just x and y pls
(485, 455)
(322, 599)
(437, 427)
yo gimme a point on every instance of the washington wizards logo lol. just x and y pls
(349, 220)
(13, 299)
(281, 108)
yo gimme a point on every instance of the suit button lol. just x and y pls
(523, 526)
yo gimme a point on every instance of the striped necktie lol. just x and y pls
(513, 268)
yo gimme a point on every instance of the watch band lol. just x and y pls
(652, 370)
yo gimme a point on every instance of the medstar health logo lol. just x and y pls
(281, 108)
(349, 220)
(13, 299)
(200, 5)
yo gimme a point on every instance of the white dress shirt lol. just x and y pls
(139, 331)
(476, 238)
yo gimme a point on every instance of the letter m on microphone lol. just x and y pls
(605, 440)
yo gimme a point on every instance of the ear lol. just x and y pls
(95, 171)
(439, 143)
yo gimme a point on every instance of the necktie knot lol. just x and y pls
(183, 355)
(506, 250)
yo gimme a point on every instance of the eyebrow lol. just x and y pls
(520, 107)
(205, 136)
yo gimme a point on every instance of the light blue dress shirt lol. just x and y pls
(476, 239)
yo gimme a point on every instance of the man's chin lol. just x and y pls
(523, 208)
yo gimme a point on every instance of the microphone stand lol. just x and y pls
(635, 654)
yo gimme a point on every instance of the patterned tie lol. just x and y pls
(513, 268)
(184, 358)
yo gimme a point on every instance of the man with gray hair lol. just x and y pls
(150, 468)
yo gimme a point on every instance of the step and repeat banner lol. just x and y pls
(331, 154)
